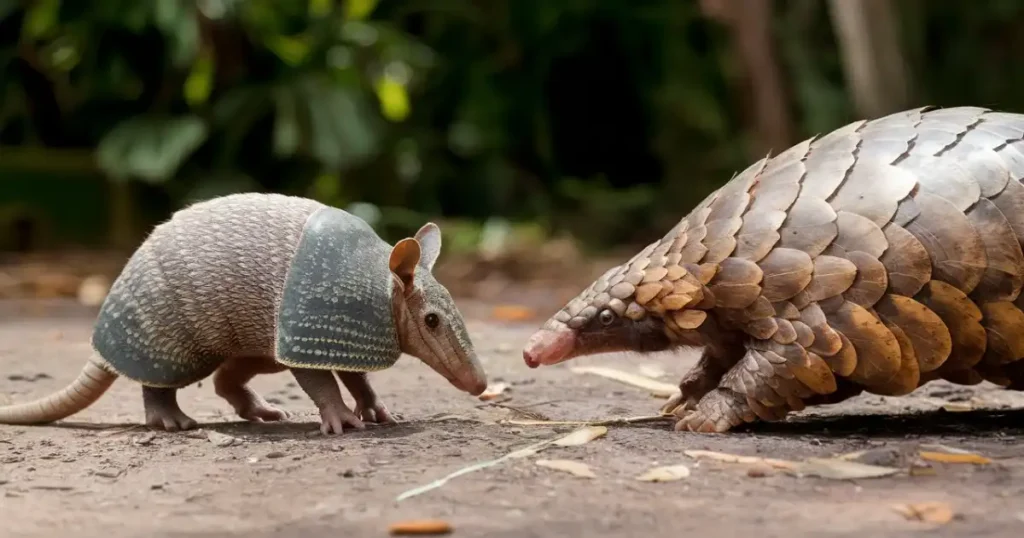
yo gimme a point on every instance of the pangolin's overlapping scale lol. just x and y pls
(908, 377)
(889, 251)
(963, 320)
(1002, 321)
(926, 331)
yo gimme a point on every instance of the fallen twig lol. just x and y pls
(577, 437)
(608, 422)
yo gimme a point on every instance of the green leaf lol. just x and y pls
(342, 129)
(319, 8)
(41, 19)
(150, 148)
(199, 83)
(356, 10)
(287, 132)
(291, 50)
(394, 100)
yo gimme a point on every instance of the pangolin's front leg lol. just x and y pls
(368, 406)
(704, 376)
(770, 380)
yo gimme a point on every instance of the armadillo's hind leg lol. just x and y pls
(230, 382)
(322, 388)
(162, 410)
(704, 376)
(368, 406)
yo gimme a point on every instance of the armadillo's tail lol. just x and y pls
(94, 380)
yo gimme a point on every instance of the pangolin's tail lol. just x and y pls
(92, 383)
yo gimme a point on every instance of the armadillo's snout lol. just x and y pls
(549, 346)
(471, 378)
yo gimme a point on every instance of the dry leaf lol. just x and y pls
(420, 527)
(945, 457)
(582, 436)
(652, 371)
(512, 313)
(667, 473)
(575, 468)
(837, 469)
(735, 458)
(936, 447)
(655, 387)
(493, 391)
(931, 512)
(958, 407)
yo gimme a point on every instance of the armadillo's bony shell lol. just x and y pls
(203, 287)
(336, 311)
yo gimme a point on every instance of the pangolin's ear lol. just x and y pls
(429, 237)
(405, 255)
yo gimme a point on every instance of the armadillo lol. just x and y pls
(254, 283)
(879, 257)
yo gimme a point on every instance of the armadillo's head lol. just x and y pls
(430, 326)
(644, 305)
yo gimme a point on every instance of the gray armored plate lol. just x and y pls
(140, 331)
(335, 313)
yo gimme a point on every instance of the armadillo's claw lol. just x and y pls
(375, 412)
(261, 411)
(369, 407)
(162, 411)
(333, 420)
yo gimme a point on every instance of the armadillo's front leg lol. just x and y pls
(162, 411)
(322, 388)
(368, 405)
(703, 377)
(770, 381)
(230, 382)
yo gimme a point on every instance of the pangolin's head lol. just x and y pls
(644, 305)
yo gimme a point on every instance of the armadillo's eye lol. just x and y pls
(432, 320)
(607, 317)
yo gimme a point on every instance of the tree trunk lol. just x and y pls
(751, 24)
(868, 38)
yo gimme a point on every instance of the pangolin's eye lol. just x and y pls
(606, 317)
(431, 320)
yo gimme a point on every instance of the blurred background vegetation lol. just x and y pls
(603, 120)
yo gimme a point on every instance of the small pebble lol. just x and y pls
(274, 455)
(757, 472)
(348, 473)
(222, 440)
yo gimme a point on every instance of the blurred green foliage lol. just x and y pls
(609, 118)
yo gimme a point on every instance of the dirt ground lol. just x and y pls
(100, 474)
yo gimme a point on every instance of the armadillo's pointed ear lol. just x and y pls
(429, 237)
(405, 255)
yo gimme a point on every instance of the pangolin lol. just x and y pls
(255, 283)
(878, 257)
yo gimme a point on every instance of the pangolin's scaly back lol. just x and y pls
(888, 250)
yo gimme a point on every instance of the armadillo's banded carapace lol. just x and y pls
(336, 311)
(203, 287)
